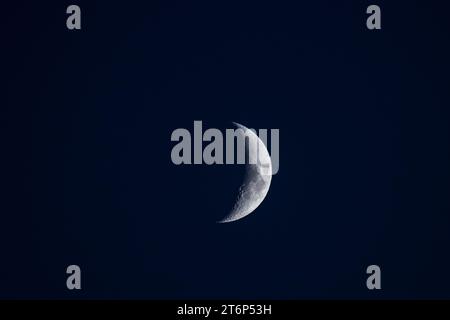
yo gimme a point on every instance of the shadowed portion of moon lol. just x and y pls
(258, 176)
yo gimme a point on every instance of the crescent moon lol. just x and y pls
(258, 176)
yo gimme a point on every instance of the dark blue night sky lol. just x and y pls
(87, 179)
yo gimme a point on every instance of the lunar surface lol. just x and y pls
(258, 177)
